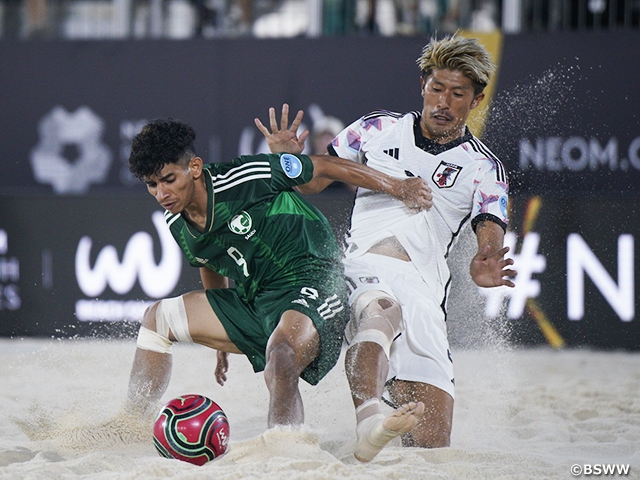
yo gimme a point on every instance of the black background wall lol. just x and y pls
(563, 119)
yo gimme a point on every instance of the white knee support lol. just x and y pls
(371, 330)
(365, 298)
(171, 315)
(381, 327)
(150, 340)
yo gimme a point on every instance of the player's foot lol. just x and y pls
(376, 431)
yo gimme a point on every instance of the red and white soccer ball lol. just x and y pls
(191, 428)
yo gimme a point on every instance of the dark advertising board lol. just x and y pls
(577, 274)
(91, 265)
(79, 261)
(69, 127)
(565, 117)
(81, 245)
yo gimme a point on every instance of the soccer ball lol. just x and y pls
(191, 428)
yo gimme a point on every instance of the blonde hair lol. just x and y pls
(458, 53)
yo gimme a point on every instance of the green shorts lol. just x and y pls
(250, 324)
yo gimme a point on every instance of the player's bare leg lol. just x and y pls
(150, 373)
(189, 318)
(434, 429)
(293, 345)
(367, 365)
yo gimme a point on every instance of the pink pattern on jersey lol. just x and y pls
(354, 140)
(373, 122)
(486, 201)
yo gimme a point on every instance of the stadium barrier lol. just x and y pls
(75, 226)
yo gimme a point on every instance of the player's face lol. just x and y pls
(448, 99)
(173, 188)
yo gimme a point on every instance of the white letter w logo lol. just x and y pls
(137, 262)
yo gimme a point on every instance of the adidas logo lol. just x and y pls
(393, 152)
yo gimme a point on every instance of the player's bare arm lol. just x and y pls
(489, 267)
(414, 192)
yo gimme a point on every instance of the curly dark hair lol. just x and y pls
(160, 142)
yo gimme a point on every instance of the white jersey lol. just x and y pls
(468, 184)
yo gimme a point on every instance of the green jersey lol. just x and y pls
(259, 232)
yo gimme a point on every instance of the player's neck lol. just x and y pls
(196, 212)
(445, 138)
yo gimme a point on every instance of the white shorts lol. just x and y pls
(421, 352)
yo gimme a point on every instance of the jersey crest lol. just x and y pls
(240, 223)
(446, 174)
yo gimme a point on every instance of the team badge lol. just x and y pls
(504, 205)
(291, 165)
(446, 174)
(241, 223)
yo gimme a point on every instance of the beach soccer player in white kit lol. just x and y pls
(396, 257)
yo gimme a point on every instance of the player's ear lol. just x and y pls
(476, 101)
(195, 167)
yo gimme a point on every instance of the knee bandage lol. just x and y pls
(379, 326)
(171, 315)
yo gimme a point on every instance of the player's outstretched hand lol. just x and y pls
(282, 138)
(489, 269)
(222, 367)
(415, 193)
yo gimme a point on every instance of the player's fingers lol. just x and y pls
(509, 272)
(303, 136)
(261, 127)
(272, 119)
(297, 121)
(284, 119)
(508, 283)
(502, 252)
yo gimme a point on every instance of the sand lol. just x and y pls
(519, 413)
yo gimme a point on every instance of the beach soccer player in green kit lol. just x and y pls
(244, 220)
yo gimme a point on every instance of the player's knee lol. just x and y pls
(149, 317)
(163, 319)
(377, 318)
(377, 303)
